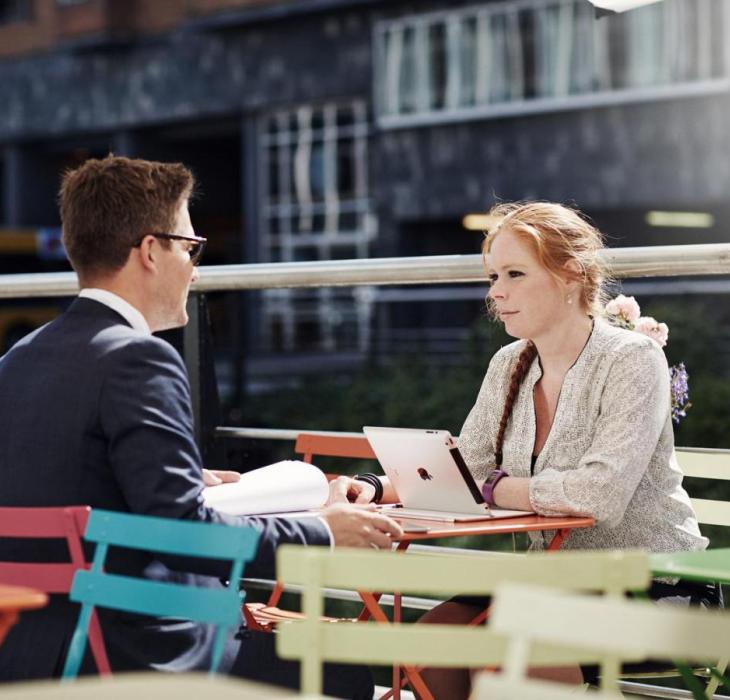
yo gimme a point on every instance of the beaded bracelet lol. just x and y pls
(375, 482)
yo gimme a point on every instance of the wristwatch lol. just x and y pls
(489, 485)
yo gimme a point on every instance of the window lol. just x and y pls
(316, 207)
(15, 11)
(529, 55)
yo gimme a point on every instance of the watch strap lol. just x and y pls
(490, 484)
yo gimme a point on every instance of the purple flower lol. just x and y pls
(679, 383)
(625, 312)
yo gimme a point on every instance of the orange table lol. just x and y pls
(434, 530)
(498, 526)
(14, 599)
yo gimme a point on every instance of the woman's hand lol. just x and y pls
(345, 489)
(214, 477)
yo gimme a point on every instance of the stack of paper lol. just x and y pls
(278, 488)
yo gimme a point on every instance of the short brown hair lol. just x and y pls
(108, 204)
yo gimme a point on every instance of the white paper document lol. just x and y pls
(278, 488)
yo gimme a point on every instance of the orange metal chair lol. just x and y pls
(67, 523)
(265, 616)
(352, 446)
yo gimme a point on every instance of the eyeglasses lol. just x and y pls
(195, 251)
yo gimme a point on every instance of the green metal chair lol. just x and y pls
(220, 607)
(616, 628)
(313, 640)
(710, 565)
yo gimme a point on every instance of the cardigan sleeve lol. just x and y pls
(634, 409)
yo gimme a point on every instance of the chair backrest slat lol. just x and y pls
(49, 578)
(433, 574)
(493, 686)
(704, 463)
(182, 537)
(439, 645)
(212, 606)
(711, 512)
(665, 632)
(49, 522)
(354, 447)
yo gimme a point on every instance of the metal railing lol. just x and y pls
(623, 263)
(646, 261)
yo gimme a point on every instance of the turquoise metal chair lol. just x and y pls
(220, 607)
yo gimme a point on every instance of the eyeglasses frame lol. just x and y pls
(195, 252)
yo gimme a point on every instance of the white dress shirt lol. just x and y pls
(128, 312)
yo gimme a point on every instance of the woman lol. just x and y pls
(574, 417)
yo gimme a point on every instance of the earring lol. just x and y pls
(570, 300)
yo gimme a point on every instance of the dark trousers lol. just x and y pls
(257, 661)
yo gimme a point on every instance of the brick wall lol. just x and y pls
(52, 24)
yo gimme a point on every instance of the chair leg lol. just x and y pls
(78, 644)
(714, 681)
(218, 646)
(98, 648)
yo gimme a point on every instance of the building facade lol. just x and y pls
(333, 129)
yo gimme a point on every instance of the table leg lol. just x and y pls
(555, 544)
(371, 609)
(373, 598)
(396, 668)
(558, 539)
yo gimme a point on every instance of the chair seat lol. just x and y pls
(264, 618)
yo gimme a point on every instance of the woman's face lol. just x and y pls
(528, 299)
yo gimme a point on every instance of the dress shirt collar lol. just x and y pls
(131, 315)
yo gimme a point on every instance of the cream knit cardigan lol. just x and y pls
(610, 451)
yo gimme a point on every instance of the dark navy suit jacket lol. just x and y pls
(93, 412)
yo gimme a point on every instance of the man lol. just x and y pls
(95, 410)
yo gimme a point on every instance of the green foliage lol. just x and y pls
(407, 391)
(694, 339)
(410, 391)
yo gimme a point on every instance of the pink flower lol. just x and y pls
(650, 327)
(625, 308)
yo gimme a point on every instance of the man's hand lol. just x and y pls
(213, 477)
(345, 489)
(361, 526)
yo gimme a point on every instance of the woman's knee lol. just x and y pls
(450, 613)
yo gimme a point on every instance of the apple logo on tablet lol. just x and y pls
(423, 473)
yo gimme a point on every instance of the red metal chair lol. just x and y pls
(265, 616)
(67, 523)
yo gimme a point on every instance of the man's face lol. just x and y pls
(177, 273)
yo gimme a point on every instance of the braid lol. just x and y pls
(515, 381)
